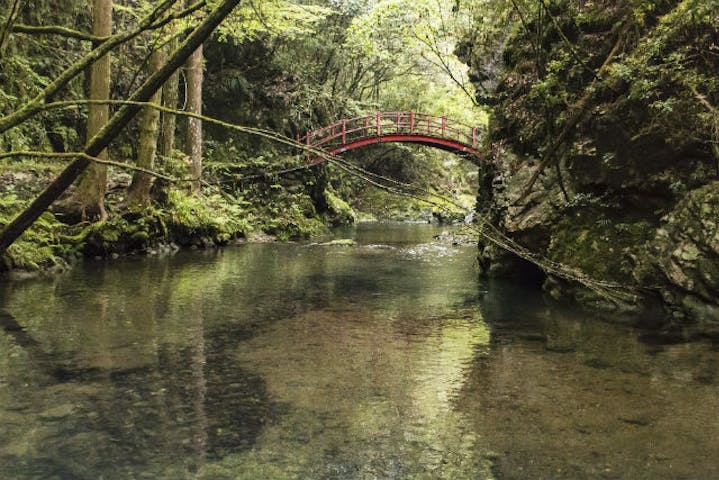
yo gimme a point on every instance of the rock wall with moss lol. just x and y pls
(628, 192)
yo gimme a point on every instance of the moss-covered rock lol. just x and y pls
(687, 254)
(205, 220)
(594, 240)
(44, 245)
(340, 212)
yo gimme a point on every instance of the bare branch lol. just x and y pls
(74, 155)
(57, 30)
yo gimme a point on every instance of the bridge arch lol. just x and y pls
(403, 127)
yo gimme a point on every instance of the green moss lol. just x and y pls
(218, 217)
(293, 226)
(41, 246)
(340, 211)
(591, 240)
(140, 236)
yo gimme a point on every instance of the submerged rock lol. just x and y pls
(461, 237)
(340, 242)
(58, 412)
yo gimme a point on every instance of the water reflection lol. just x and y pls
(589, 399)
(374, 361)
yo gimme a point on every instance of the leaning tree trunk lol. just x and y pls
(193, 147)
(89, 198)
(139, 193)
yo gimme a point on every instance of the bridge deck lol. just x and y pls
(407, 127)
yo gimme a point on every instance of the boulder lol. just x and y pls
(687, 255)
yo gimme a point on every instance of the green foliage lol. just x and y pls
(31, 62)
(290, 217)
(279, 18)
(284, 65)
(659, 92)
(340, 211)
(185, 219)
(672, 67)
(410, 47)
(216, 216)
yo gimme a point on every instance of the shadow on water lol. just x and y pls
(43, 361)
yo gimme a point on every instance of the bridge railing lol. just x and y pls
(391, 123)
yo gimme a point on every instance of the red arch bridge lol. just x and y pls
(403, 127)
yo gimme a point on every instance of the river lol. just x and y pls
(389, 359)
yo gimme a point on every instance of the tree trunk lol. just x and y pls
(169, 100)
(114, 126)
(193, 146)
(89, 197)
(139, 193)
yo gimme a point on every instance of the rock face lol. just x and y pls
(675, 254)
(686, 251)
(627, 142)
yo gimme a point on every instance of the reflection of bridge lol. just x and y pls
(404, 127)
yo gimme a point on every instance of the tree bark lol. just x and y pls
(193, 146)
(90, 195)
(169, 100)
(139, 193)
(118, 121)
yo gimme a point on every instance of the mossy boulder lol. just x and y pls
(597, 243)
(339, 211)
(45, 245)
(687, 255)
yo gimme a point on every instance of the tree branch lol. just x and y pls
(715, 114)
(57, 30)
(178, 15)
(11, 18)
(74, 155)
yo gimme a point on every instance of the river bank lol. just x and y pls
(175, 219)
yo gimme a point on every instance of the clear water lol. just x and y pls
(386, 360)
